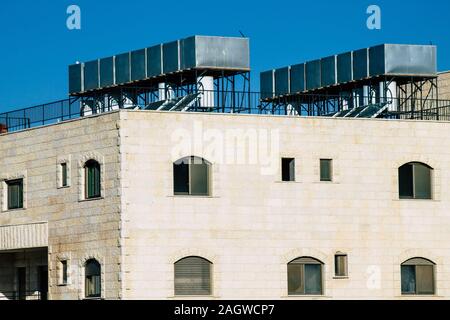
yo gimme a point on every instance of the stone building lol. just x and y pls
(444, 85)
(249, 226)
(142, 204)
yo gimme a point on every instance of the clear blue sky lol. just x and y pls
(36, 47)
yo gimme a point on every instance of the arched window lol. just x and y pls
(305, 276)
(414, 181)
(92, 272)
(417, 277)
(191, 176)
(193, 277)
(92, 179)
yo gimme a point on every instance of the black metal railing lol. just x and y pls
(23, 295)
(43, 114)
(218, 101)
(6, 123)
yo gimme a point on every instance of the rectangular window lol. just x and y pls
(15, 194)
(63, 272)
(93, 182)
(288, 169)
(326, 170)
(64, 175)
(341, 265)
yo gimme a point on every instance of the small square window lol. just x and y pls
(15, 194)
(64, 182)
(288, 169)
(341, 265)
(326, 170)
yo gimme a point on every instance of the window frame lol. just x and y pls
(303, 262)
(191, 162)
(330, 168)
(63, 272)
(96, 295)
(194, 294)
(290, 166)
(423, 263)
(92, 166)
(64, 174)
(413, 181)
(20, 196)
(337, 265)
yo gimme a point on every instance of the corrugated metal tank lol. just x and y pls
(196, 52)
(384, 60)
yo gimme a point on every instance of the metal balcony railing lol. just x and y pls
(23, 295)
(219, 101)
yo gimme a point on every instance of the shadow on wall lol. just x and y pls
(24, 274)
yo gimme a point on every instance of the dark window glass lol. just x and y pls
(326, 170)
(425, 279)
(422, 182)
(340, 265)
(417, 277)
(64, 174)
(296, 279)
(193, 277)
(405, 174)
(93, 184)
(414, 181)
(313, 279)
(21, 283)
(408, 280)
(305, 277)
(199, 178)
(92, 279)
(42, 272)
(191, 177)
(181, 178)
(15, 194)
(288, 169)
(64, 271)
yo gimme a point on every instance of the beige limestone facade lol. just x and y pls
(444, 85)
(250, 226)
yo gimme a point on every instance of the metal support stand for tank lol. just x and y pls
(418, 98)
